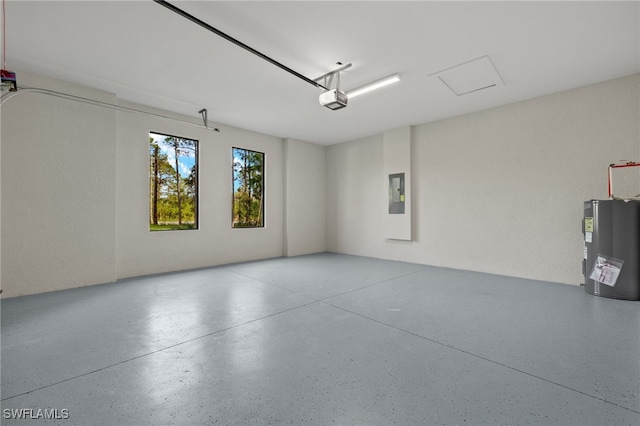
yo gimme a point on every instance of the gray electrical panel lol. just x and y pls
(611, 264)
(396, 193)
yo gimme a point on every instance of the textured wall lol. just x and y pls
(75, 194)
(499, 190)
(356, 198)
(140, 252)
(58, 192)
(396, 158)
(305, 193)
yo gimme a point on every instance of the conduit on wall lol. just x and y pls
(68, 96)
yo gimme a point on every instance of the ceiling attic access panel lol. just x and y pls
(471, 76)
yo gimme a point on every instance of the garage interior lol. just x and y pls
(466, 305)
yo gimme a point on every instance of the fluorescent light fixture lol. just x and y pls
(373, 86)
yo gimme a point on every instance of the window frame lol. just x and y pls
(196, 208)
(262, 210)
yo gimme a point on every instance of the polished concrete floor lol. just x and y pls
(323, 339)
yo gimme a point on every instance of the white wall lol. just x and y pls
(357, 200)
(58, 193)
(75, 194)
(396, 158)
(140, 252)
(497, 191)
(305, 215)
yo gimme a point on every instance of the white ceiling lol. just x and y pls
(147, 54)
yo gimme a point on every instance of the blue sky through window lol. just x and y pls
(186, 159)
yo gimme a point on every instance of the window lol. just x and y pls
(173, 177)
(248, 189)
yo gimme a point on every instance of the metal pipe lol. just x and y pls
(236, 42)
(617, 166)
(337, 70)
(25, 90)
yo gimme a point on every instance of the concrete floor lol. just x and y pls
(322, 339)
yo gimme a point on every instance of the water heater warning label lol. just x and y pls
(588, 224)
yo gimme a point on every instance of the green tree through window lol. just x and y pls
(248, 189)
(173, 183)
